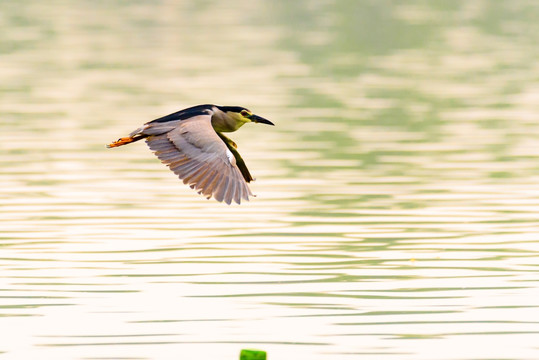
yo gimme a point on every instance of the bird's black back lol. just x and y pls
(185, 113)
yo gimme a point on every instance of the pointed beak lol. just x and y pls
(261, 120)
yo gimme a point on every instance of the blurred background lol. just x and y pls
(398, 193)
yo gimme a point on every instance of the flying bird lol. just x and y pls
(191, 143)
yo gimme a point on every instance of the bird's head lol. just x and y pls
(242, 115)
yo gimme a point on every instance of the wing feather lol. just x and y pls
(221, 189)
(189, 177)
(204, 185)
(183, 169)
(246, 191)
(201, 184)
(214, 183)
(198, 176)
(193, 151)
(230, 192)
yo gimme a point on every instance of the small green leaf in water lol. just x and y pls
(251, 354)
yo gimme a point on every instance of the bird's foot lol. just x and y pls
(120, 142)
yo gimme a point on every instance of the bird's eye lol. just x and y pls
(245, 113)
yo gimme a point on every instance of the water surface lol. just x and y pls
(397, 197)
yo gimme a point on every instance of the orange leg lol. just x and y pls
(121, 141)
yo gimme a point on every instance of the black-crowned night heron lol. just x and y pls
(190, 142)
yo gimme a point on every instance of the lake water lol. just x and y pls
(397, 201)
